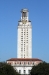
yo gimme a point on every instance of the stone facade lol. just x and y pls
(24, 47)
(23, 66)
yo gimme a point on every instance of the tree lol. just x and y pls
(40, 69)
(6, 69)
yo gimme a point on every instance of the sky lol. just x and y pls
(10, 15)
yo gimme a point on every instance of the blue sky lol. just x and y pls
(10, 15)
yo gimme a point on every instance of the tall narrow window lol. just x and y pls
(28, 63)
(19, 71)
(29, 71)
(24, 71)
(20, 63)
(24, 63)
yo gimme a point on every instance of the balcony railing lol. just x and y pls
(23, 65)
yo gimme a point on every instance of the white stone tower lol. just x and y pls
(24, 47)
(24, 61)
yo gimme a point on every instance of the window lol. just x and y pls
(27, 34)
(24, 45)
(24, 34)
(27, 40)
(24, 48)
(33, 63)
(28, 63)
(20, 62)
(24, 54)
(21, 49)
(24, 63)
(24, 71)
(29, 71)
(15, 62)
(21, 40)
(21, 36)
(19, 71)
(24, 14)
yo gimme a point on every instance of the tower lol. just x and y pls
(24, 47)
(24, 61)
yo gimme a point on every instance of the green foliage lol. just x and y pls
(6, 69)
(40, 69)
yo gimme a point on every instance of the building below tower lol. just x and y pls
(23, 65)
